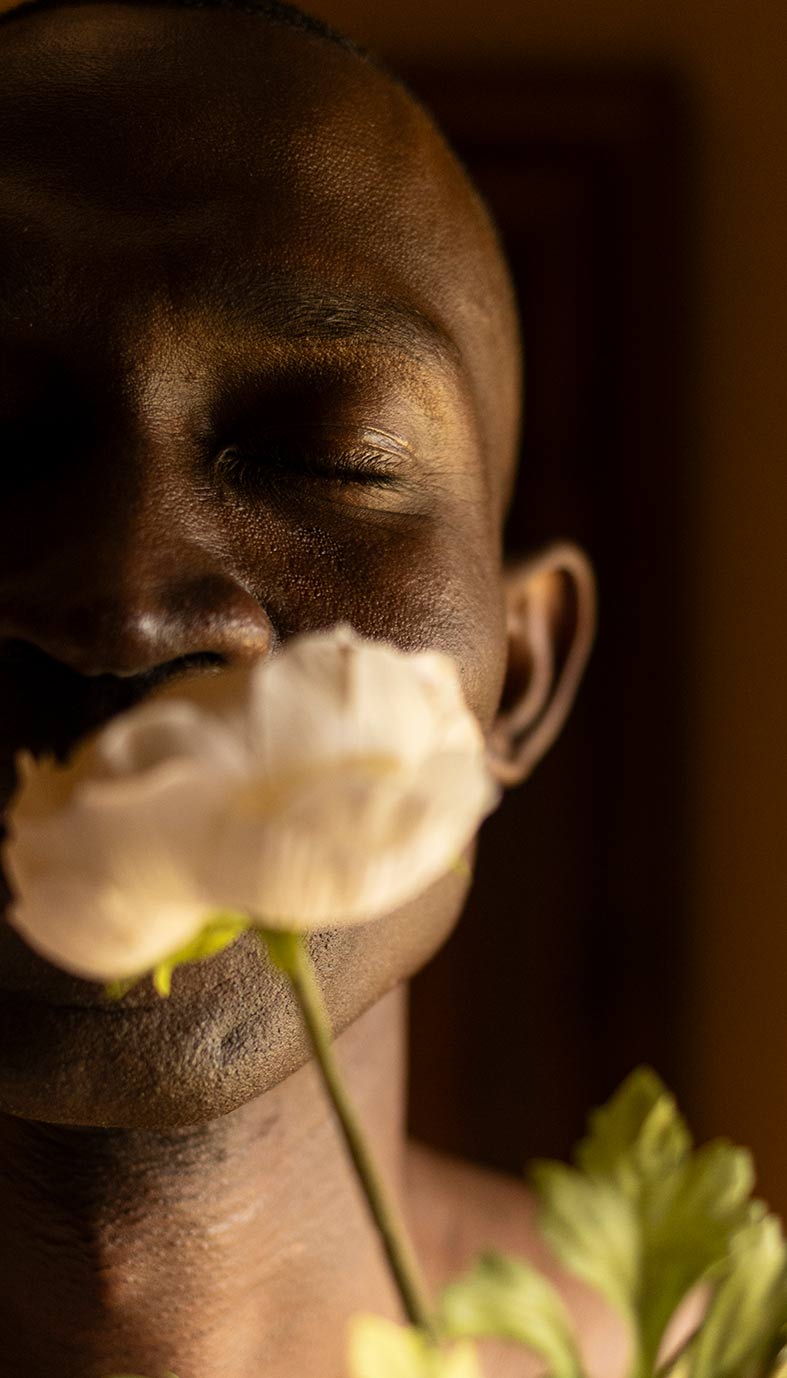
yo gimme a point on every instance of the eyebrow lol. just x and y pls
(288, 310)
(292, 308)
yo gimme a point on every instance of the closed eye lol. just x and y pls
(273, 464)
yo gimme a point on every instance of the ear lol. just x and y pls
(551, 619)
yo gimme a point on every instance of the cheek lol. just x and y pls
(447, 595)
(380, 955)
(440, 910)
(432, 582)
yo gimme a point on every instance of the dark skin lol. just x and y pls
(259, 372)
(167, 376)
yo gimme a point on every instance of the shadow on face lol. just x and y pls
(258, 373)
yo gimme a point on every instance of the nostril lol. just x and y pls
(68, 664)
(204, 662)
(132, 630)
(221, 616)
(47, 707)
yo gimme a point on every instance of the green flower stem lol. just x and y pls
(288, 951)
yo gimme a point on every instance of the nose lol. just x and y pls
(123, 558)
(80, 641)
(103, 599)
(208, 617)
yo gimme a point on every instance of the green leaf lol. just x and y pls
(593, 1230)
(642, 1218)
(508, 1299)
(461, 868)
(218, 933)
(282, 946)
(748, 1310)
(688, 1223)
(636, 1137)
(679, 1366)
(114, 991)
(380, 1349)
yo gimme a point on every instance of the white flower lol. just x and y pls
(325, 786)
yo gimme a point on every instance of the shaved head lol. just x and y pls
(276, 11)
(259, 373)
(329, 121)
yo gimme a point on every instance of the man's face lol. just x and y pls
(247, 349)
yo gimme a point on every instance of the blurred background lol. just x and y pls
(631, 898)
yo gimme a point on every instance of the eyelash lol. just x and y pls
(254, 468)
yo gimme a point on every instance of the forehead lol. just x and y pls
(160, 167)
(232, 156)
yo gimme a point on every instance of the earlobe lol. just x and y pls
(551, 620)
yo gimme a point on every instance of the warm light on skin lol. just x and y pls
(152, 555)
(145, 553)
(172, 1183)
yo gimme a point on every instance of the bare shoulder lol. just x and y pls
(458, 1210)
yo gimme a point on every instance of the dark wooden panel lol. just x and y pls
(566, 969)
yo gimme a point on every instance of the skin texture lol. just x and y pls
(235, 263)
(216, 288)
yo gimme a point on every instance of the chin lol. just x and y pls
(228, 1033)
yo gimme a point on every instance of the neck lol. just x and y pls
(219, 1251)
